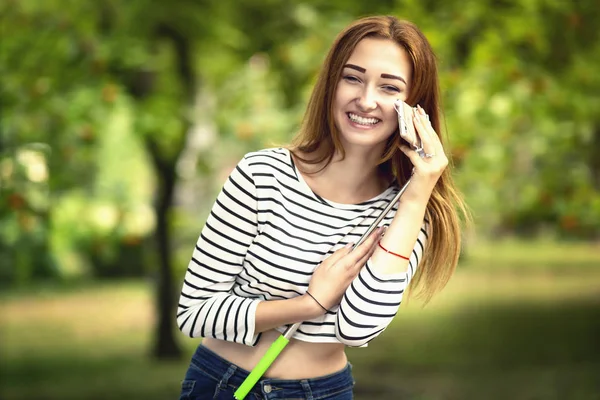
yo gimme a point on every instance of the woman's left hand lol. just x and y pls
(428, 169)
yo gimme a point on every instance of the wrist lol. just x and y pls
(414, 202)
(310, 307)
(419, 190)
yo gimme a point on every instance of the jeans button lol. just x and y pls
(268, 388)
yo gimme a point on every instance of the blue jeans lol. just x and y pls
(212, 377)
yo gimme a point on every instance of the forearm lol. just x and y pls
(400, 237)
(274, 313)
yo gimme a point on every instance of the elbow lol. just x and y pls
(354, 337)
(185, 323)
(357, 332)
(350, 341)
(183, 326)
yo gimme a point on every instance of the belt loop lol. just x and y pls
(228, 374)
(306, 388)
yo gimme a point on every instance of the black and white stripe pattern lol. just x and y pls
(264, 237)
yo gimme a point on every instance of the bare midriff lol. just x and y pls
(299, 360)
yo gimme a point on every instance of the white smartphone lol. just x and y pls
(406, 124)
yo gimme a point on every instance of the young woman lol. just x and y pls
(275, 249)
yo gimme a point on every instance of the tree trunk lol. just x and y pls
(165, 345)
(141, 85)
(594, 159)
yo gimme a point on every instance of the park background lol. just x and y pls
(120, 120)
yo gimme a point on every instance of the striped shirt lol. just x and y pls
(264, 237)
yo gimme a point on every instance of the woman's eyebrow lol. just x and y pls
(356, 67)
(388, 76)
(385, 76)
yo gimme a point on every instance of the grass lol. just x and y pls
(549, 256)
(506, 327)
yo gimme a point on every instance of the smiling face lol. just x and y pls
(377, 73)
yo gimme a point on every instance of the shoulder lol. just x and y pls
(275, 155)
(268, 161)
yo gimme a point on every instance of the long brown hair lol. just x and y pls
(319, 139)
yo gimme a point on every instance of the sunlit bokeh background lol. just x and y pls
(120, 120)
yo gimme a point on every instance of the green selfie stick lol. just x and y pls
(282, 341)
(263, 365)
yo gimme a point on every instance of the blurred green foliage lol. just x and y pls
(104, 103)
(120, 121)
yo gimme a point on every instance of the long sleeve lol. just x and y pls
(207, 305)
(372, 300)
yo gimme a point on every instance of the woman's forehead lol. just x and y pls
(381, 56)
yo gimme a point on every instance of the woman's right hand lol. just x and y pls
(333, 276)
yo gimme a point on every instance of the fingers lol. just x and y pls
(430, 142)
(365, 258)
(339, 254)
(412, 155)
(365, 248)
(423, 122)
(423, 128)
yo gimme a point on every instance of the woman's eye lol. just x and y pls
(391, 89)
(350, 78)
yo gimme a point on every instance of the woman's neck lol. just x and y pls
(353, 179)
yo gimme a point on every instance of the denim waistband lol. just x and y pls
(221, 369)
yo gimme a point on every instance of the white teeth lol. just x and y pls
(362, 121)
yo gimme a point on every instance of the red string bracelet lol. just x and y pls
(391, 252)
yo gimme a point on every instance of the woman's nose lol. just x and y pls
(366, 100)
